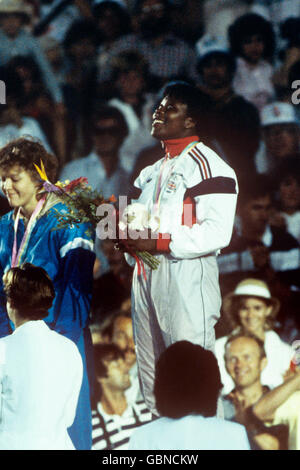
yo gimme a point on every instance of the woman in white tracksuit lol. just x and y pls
(193, 192)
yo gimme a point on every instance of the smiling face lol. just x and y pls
(244, 362)
(171, 120)
(253, 313)
(19, 188)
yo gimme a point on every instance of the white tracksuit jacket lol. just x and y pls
(181, 299)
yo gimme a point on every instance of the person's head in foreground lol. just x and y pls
(251, 307)
(187, 381)
(182, 112)
(29, 293)
(20, 181)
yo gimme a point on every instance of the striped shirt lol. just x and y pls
(112, 432)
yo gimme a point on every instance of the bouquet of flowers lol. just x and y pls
(82, 203)
(136, 217)
(80, 199)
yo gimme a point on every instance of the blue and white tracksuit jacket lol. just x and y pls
(181, 299)
(68, 257)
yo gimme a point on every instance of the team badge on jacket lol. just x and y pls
(173, 183)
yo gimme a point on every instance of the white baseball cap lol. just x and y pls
(208, 45)
(278, 113)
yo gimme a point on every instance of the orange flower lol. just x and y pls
(112, 198)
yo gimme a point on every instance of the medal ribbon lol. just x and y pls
(158, 188)
(17, 254)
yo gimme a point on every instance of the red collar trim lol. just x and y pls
(174, 147)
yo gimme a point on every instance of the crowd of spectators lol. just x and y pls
(84, 77)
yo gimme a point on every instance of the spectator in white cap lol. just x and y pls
(280, 136)
(250, 308)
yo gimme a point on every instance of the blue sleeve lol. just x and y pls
(5, 328)
(5, 325)
(73, 282)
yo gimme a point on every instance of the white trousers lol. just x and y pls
(179, 301)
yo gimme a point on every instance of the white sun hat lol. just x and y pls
(251, 288)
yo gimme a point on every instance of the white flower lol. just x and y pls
(136, 217)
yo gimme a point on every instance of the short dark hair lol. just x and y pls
(227, 57)
(80, 29)
(255, 186)
(249, 25)
(127, 61)
(242, 334)
(187, 381)
(26, 152)
(25, 17)
(119, 12)
(198, 103)
(110, 112)
(30, 291)
(14, 87)
(290, 167)
(105, 353)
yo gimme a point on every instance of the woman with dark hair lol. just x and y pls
(27, 235)
(40, 370)
(186, 389)
(252, 41)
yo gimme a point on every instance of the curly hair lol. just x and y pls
(249, 25)
(198, 104)
(25, 152)
(30, 291)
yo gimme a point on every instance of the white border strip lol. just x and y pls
(76, 243)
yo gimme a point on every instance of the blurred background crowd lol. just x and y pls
(84, 77)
